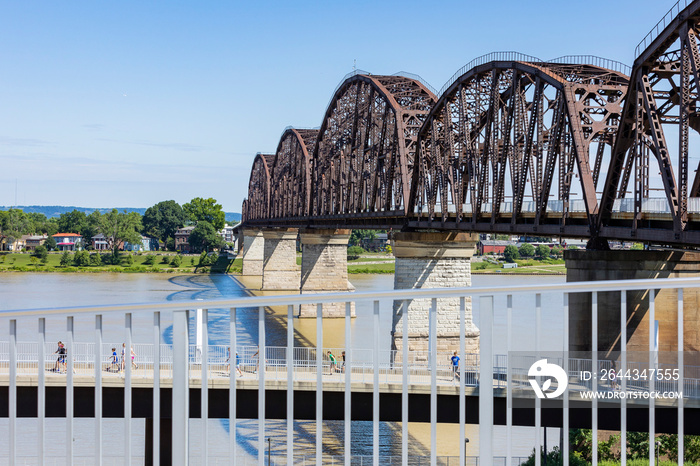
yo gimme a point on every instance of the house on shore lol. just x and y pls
(68, 241)
(32, 242)
(182, 237)
(146, 244)
(99, 242)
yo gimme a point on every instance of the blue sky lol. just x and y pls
(125, 104)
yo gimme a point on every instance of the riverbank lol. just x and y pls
(163, 262)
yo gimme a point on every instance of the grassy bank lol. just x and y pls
(139, 263)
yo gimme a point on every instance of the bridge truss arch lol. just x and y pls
(501, 149)
(660, 119)
(365, 148)
(257, 205)
(291, 174)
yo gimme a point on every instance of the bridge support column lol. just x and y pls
(582, 265)
(280, 269)
(433, 260)
(324, 269)
(253, 252)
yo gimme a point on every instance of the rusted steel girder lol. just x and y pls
(290, 172)
(662, 98)
(519, 130)
(365, 149)
(258, 202)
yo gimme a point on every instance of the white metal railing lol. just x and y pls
(181, 360)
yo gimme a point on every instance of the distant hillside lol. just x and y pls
(57, 210)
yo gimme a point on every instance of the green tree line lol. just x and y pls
(160, 221)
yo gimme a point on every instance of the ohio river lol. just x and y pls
(42, 290)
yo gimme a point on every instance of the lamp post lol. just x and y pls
(466, 441)
(269, 450)
(658, 444)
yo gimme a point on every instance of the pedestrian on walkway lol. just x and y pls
(455, 366)
(61, 360)
(334, 363)
(114, 361)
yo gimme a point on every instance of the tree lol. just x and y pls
(204, 236)
(557, 251)
(527, 250)
(511, 253)
(41, 252)
(72, 222)
(66, 259)
(543, 251)
(81, 259)
(357, 236)
(95, 259)
(163, 219)
(50, 243)
(199, 209)
(119, 227)
(91, 227)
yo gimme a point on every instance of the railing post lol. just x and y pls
(233, 360)
(432, 343)
(181, 385)
(262, 353)
(375, 387)
(404, 391)
(565, 417)
(41, 394)
(156, 387)
(204, 392)
(623, 369)
(463, 359)
(13, 392)
(127, 388)
(290, 384)
(653, 363)
(69, 391)
(681, 376)
(319, 384)
(594, 368)
(509, 387)
(98, 389)
(347, 367)
(538, 401)
(486, 381)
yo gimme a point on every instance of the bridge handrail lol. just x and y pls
(660, 26)
(595, 61)
(489, 57)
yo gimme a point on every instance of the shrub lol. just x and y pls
(203, 259)
(150, 259)
(81, 259)
(95, 260)
(66, 259)
(176, 261)
(128, 260)
(511, 253)
(543, 251)
(527, 250)
(165, 260)
(41, 252)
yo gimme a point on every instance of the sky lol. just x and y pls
(125, 104)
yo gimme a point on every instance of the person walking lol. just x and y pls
(455, 366)
(133, 362)
(114, 362)
(342, 368)
(238, 365)
(334, 362)
(123, 355)
(61, 360)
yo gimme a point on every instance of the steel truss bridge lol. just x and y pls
(577, 146)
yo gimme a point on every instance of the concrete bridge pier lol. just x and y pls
(324, 269)
(584, 265)
(433, 260)
(280, 269)
(253, 252)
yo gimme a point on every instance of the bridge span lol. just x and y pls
(511, 144)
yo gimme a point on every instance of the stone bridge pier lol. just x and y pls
(584, 265)
(280, 269)
(433, 260)
(324, 269)
(252, 252)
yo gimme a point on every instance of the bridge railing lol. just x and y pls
(661, 25)
(182, 361)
